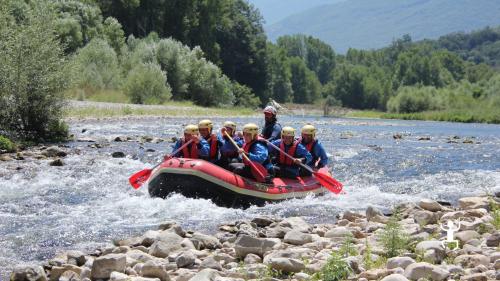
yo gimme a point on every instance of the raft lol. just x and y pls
(196, 178)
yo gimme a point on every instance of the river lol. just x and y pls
(88, 202)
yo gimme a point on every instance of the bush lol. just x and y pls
(393, 238)
(6, 144)
(147, 83)
(33, 75)
(413, 99)
(244, 97)
(335, 269)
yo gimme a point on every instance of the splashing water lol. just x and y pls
(87, 203)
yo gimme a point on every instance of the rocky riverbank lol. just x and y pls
(370, 245)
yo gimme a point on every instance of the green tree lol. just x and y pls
(279, 75)
(33, 75)
(147, 83)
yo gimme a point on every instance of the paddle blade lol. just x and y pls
(137, 179)
(328, 182)
(259, 172)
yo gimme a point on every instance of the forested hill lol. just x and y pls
(368, 24)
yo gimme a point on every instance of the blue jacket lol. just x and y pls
(318, 152)
(217, 152)
(203, 148)
(300, 152)
(271, 131)
(227, 149)
(258, 152)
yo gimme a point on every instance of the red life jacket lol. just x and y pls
(248, 146)
(284, 159)
(192, 152)
(212, 140)
(309, 146)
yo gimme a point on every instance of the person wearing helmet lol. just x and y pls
(286, 167)
(229, 153)
(308, 139)
(256, 150)
(197, 149)
(214, 143)
(272, 129)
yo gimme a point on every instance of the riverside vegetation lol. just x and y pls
(406, 245)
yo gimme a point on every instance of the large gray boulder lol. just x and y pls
(430, 205)
(338, 232)
(286, 264)
(207, 241)
(472, 260)
(432, 250)
(295, 237)
(28, 273)
(493, 240)
(154, 270)
(425, 270)
(467, 235)
(250, 245)
(104, 265)
(473, 203)
(206, 275)
(401, 262)
(185, 259)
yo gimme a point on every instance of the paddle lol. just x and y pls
(137, 179)
(328, 182)
(259, 172)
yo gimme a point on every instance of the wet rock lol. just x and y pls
(57, 163)
(395, 277)
(207, 241)
(467, 235)
(468, 141)
(352, 216)
(252, 259)
(425, 270)
(85, 140)
(104, 265)
(473, 203)
(430, 205)
(250, 245)
(286, 264)
(210, 262)
(206, 275)
(401, 262)
(120, 139)
(295, 237)
(28, 273)
(185, 259)
(372, 212)
(472, 260)
(493, 240)
(118, 154)
(296, 223)
(397, 136)
(54, 151)
(424, 138)
(154, 270)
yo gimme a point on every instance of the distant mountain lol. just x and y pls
(368, 24)
(276, 10)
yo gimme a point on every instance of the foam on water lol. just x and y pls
(88, 202)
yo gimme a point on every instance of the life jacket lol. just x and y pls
(192, 152)
(284, 160)
(212, 140)
(268, 129)
(248, 146)
(310, 145)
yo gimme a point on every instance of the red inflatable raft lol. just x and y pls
(197, 178)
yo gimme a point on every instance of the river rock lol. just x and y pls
(210, 262)
(374, 274)
(56, 163)
(493, 240)
(425, 217)
(250, 245)
(296, 223)
(185, 259)
(28, 273)
(262, 221)
(432, 249)
(118, 154)
(117, 276)
(167, 243)
(104, 265)
(57, 271)
(430, 205)
(207, 241)
(286, 264)
(473, 203)
(76, 257)
(295, 237)
(472, 260)
(206, 274)
(69, 276)
(467, 235)
(252, 259)
(395, 277)
(54, 151)
(372, 212)
(154, 270)
(401, 262)
(425, 270)
(352, 216)
(475, 277)
(338, 232)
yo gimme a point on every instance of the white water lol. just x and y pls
(88, 202)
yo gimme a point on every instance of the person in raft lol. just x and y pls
(197, 149)
(214, 142)
(286, 167)
(229, 153)
(256, 150)
(308, 139)
(272, 129)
